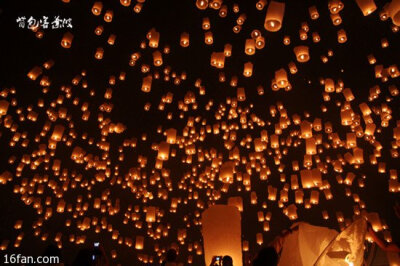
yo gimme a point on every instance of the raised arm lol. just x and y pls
(386, 247)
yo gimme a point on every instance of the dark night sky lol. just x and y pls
(21, 51)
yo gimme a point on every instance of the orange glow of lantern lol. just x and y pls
(274, 17)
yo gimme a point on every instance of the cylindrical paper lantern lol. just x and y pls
(221, 230)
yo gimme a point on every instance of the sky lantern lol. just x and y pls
(226, 172)
(260, 42)
(163, 151)
(146, 83)
(342, 36)
(394, 11)
(208, 38)
(302, 53)
(96, 8)
(281, 78)
(241, 94)
(139, 243)
(335, 6)
(203, 130)
(66, 41)
(237, 202)
(261, 4)
(313, 11)
(274, 17)
(250, 48)
(4, 107)
(248, 69)
(219, 223)
(184, 39)
(157, 58)
(367, 6)
(125, 3)
(108, 16)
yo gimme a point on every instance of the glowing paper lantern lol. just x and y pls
(394, 11)
(151, 214)
(347, 248)
(342, 36)
(274, 18)
(261, 4)
(125, 2)
(302, 53)
(66, 41)
(281, 78)
(237, 202)
(335, 6)
(3, 107)
(139, 244)
(185, 39)
(108, 16)
(226, 172)
(97, 7)
(241, 94)
(250, 47)
(163, 151)
(366, 6)
(313, 12)
(146, 83)
(248, 69)
(157, 58)
(221, 230)
(57, 133)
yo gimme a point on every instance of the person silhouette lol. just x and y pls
(227, 261)
(267, 256)
(170, 258)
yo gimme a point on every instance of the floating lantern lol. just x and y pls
(274, 16)
(97, 7)
(184, 39)
(394, 11)
(342, 37)
(367, 6)
(146, 83)
(250, 47)
(302, 53)
(219, 223)
(248, 70)
(66, 41)
(261, 4)
(201, 4)
(313, 11)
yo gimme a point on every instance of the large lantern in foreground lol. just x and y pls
(221, 230)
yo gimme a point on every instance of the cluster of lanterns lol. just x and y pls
(253, 149)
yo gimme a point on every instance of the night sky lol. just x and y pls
(111, 140)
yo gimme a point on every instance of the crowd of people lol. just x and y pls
(267, 256)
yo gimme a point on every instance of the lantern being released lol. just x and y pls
(221, 230)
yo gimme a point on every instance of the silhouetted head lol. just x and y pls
(266, 257)
(170, 256)
(52, 250)
(84, 258)
(227, 261)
